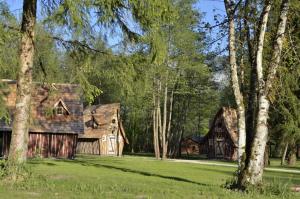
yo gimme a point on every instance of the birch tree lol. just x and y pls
(230, 7)
(250, 172)
(254, 170)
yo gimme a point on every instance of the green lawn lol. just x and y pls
(130, 177)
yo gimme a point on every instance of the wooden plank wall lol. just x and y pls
(52, 145)
(89, 146)
(44, 145)
(6, 137)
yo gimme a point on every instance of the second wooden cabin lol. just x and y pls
(103, 131)
(221, 142)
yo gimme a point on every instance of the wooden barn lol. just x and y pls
(103, 131)
(56, 120)
(192, 145)
(221, 141)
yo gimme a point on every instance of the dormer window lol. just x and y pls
(60, 108)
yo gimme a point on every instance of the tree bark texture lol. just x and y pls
(230, 10)
(20, 126)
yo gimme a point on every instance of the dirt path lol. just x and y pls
(230, 165)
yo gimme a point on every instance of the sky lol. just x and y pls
(210, 8)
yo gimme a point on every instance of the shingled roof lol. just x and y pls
(44, 99)
(195, 138)
(102, 115)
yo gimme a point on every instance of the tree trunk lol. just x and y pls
(284, 153)
(292, 156)
(254, 171)
(155, 124)
(164, 144)
(19, 140)
(170, 120)
(267, 156)
(230, 9)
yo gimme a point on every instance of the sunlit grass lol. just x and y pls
(129, 177)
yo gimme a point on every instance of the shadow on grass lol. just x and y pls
(34, 162)
(144, 173)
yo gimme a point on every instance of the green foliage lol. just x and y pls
(286, 104)
(4, 114)
(9, 39)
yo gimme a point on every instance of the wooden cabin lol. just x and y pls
(103, 131)
(192, 145)
(56, 120)
(221, 142)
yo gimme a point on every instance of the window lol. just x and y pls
(59, 110)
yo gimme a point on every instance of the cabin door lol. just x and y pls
(219, 148)
(111, 145)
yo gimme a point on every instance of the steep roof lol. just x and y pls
(44, 98)
(229, 116)
(102, 115)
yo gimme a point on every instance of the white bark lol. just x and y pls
(164, 145)
(229, 5)
(155, 123)
(256, 163)
(284, 153)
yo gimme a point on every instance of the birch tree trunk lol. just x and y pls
(170, 120)
(254, 171)
(230, 10)
(284, 153)
(155, 124)
(164, 144)
(19, 140)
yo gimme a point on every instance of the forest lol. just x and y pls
(169, 68)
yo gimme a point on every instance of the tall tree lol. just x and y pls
(239, 99)
(254, 170)
(18, 148)
(250, 172)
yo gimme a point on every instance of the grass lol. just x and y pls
(131, 177)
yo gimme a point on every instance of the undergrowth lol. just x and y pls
(271, 188)
(11, 172)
